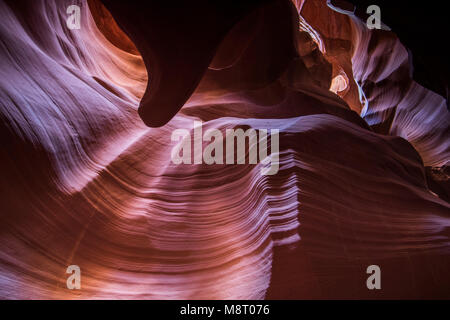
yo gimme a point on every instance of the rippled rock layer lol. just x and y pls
(87, 176)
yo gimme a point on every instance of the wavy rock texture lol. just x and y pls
(392, 102)
(85, 182)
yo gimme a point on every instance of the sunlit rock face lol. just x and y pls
(380, 67)
(363, 151)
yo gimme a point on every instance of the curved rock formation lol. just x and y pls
(86, 182)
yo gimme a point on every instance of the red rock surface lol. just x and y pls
(86, 182)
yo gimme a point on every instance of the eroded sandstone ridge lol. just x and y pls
(364, 151)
